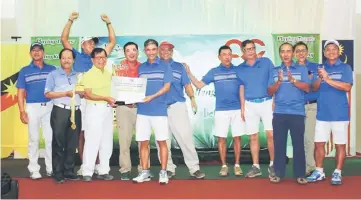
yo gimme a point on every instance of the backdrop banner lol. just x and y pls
(312, 41)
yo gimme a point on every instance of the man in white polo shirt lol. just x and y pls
(334, 80)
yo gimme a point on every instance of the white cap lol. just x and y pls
(331, 42)
(87, 38)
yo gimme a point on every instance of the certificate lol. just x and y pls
(127, 90)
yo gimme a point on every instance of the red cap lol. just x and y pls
(168, 44)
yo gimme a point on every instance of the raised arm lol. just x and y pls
(66, 30)
(112, 41)
(198, 84)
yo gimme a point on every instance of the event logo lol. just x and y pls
(239, 43)
(9, 92)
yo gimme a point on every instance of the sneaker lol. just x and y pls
(336, 179)
(105, 177)
(35, 175)
(316, 176)
(58, 180)
(125, 176)
(71, 177)
(224, 171)
(170, 174)
(198, 174)
(96, 169)
(271, 171)
(163, 177)
(79, 172)
(238, 171)
(254, 172)
(87, 178)
(49, 174)
(142, 177)
(140, 169)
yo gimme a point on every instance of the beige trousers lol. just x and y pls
(311, 111)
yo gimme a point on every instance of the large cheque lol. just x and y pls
(127, 90)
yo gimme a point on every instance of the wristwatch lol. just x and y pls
(294, 81)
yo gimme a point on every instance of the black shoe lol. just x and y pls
(106, 177)
(125, 176)
(72, 177)
(58, 180)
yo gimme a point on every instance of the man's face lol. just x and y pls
(88, 46)
(332, 52)
(100, 60)
(249, 51)
(301, 53)
(131, 52)
(67, 60)
(37, 54)
(151, 51)
(165, 52)
(225, 57)
(286, 52)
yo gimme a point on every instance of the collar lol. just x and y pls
(255, 63)
(125, 61)
(224, 67)
(171, 61)
(157, 60)
(62, 72)
(293, 65)
(306, 62)
(32, 64)
(338, 62)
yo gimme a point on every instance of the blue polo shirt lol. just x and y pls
(59, 81)
(332, 103)
(180, 79)
(32, 79)
(82, 62)
(157, 74)
(288, 98)
(312, 68)
(256, 78)
(226, 85)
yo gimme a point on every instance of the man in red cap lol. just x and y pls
(178, 119)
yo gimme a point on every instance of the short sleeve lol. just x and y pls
(347, 75)
(76, 52)
(168, 76)
(209, 77)
(185, 78)
(20, 83)
(271, 73)
(50, 83)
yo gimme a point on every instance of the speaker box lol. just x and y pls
(9, 187)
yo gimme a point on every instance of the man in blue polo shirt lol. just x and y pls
(152, 113)
(65, 117)
(334, 80)
(255, 74)
(83, 62)
(31, 83)
(178, 118)
(229, 99)
(289, 84)
(301, 53)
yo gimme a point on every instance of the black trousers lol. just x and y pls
(282, 123)
(65, 141)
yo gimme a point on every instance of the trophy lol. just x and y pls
(79, 87)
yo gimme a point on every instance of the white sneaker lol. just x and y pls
(79, 172)
(35, 175)
(142, 177)
(96, 169)
(163, 177)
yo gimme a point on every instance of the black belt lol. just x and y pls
(311, 102)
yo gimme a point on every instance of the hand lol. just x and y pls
(319, 69)
(74, 15)
(147, 99)
(105, 18)
(186, 67)
(24, 117)
(280, 75)
(194, 105)
(242, 115)
(323, 74)
(69, 94)
(110, 101)
(289, 75)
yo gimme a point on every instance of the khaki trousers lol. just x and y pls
(311, 111)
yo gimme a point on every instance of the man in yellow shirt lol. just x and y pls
(98, 117)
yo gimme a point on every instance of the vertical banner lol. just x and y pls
(346, 56)
(312, 41)
(52, 47)
(200, 52)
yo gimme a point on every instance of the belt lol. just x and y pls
(66, 106)
(259, 100)
(311, 102)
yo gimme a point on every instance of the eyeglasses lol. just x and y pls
(250, 49)
(99, 58)
(301, 51)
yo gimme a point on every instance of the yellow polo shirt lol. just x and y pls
(99, 82)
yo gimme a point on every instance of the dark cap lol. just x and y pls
(150, 41)
(36, 44)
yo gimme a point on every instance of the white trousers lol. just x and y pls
(98, 138)
(180, 127)
(39, 116)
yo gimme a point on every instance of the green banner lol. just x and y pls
(312, 41)
(52, 47)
